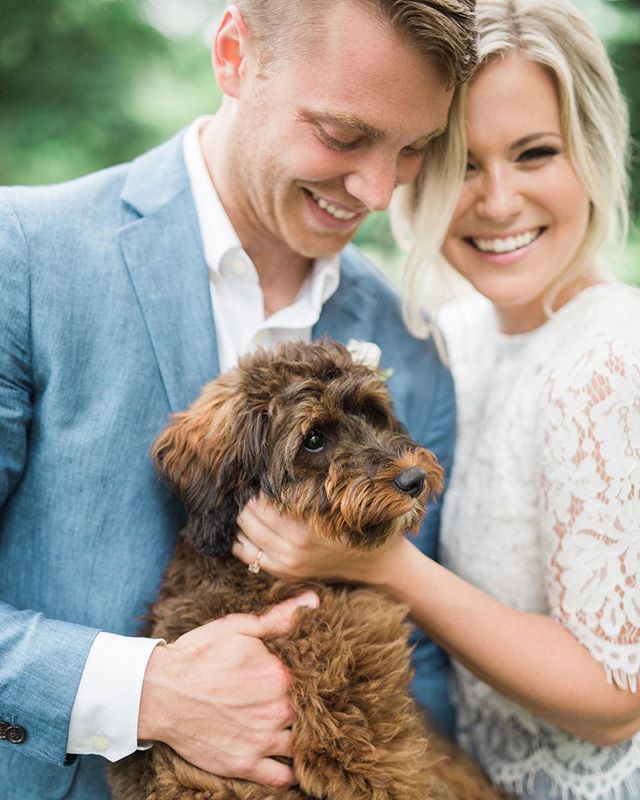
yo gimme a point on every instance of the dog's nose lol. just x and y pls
(411, 481)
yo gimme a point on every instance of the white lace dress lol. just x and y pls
(543, 513)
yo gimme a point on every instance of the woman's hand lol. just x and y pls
(505, 647)
(291, 550)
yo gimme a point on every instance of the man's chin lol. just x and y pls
(324, 245)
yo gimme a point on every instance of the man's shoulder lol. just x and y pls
(372, 309)
(37, 207)
(97, 196)
(365, 284)
(357, 270)
(420, 383)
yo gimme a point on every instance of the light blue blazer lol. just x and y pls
(106, 328)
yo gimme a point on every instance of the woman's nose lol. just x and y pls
(499, 198)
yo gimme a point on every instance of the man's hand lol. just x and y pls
(218, 697)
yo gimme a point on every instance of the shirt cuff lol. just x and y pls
(104, 718)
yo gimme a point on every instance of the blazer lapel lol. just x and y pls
(347, 313)
(162, 251)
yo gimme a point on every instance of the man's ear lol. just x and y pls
(229, 51)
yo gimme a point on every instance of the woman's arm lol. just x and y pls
(528, 657)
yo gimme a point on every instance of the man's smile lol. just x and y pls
(336, 210)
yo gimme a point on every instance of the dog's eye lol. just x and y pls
(314, 442)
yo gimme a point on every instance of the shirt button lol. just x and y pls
(100, 743)
(15, 734)
(238, 267)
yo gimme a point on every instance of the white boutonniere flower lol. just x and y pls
(369, 354)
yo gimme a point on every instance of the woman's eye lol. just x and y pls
(536, 153)
(314, 442)
(470, 167)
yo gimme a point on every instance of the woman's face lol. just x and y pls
(523, 211)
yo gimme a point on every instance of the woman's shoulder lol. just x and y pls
(609, 305)
(593, 341)
(603, 315)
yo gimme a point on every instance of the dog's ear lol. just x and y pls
(213, 456)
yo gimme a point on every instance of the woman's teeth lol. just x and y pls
(507, 244)
(338, 213)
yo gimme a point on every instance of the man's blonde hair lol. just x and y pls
(442, 30)
(595, 126)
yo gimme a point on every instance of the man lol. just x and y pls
(121, 294)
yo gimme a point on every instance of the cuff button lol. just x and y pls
(15, 734)
(100, 743)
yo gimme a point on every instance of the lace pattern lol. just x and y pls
(533, 759)
(591, 420)
(543, 512)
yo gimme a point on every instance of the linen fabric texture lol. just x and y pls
(107, 328)
(108, 695)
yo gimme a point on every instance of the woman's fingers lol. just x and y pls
(285, 547)
(245, 550)
(252, 555)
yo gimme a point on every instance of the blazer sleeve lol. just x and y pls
(41, 660)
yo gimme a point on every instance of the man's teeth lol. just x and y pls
(338, 213)
(506, 245)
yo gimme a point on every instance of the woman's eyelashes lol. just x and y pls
(530, 155)
(538, 153)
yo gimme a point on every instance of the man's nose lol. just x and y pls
(499, 198)
(375, 177)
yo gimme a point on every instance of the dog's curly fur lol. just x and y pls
(316, 434)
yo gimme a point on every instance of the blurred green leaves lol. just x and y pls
(88, 83)
(82, 86)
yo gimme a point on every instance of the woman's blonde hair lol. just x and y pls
(595, 125)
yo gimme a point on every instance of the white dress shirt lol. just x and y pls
(104, 719)
(236, 296)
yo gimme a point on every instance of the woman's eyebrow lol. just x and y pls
(525, 140)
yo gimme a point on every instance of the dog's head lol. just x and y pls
(310, 429)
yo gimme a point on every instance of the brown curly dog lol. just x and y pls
(317, 435)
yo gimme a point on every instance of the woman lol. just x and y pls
(538, 598)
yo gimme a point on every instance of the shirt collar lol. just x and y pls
(219, 236)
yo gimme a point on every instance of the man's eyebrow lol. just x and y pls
(345, 121)
(372, 133)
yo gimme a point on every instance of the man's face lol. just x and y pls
(322, 138)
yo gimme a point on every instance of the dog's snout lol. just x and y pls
(411, 481)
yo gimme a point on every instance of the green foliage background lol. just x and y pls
(89, 83)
